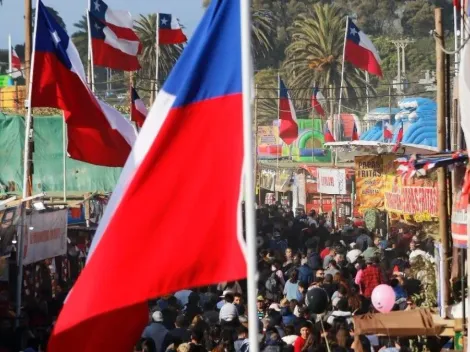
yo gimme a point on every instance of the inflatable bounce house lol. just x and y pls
(416, 115)
(308, 147)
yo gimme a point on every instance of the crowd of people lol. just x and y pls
(312, 282)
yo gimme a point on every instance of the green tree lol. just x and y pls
(418, 18)
(80, 38)
(267, 95)
(146, 29)
(314, 57)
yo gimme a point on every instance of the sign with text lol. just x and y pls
(369, 182)
(45, 236)
(331, 181)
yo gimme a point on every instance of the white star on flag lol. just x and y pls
(97, 5)
(164, 21)
(55, 37)
(353, 31)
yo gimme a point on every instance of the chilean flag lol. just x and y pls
(288, 129)
(97, 133)
(355, 135)
(360, 51)
(114, 42)
(16, 69)
(123, 272)
(388, 133)
(399, 139)
(328, 136)
(316, 98)
(169, 30)
(138, 111)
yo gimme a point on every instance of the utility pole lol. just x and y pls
(401, 60)
(441, 172)
(27, 41)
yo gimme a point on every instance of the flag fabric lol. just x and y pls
(360, 51)
(288, 128)
(317, 99)
(169, 30)
(97, 133)
(16, 69)
(388, 133)
(399, 139)
(143, 214)
(457, 4)
(139, 110)
(355, 135)
(114, 42)
(327, 135)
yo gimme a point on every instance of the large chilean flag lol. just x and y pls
(97, 133)
(288, 128)
(132, 257)
(360, 51)
(169, 30)
(114, 42)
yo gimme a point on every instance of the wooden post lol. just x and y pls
(28, 41)
(441, 172)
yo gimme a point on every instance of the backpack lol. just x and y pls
(271, 282)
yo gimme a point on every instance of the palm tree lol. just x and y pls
(314, 57)
(267, 96)
(80, 38)
(146, 29)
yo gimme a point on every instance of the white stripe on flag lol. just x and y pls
(126, 46)
(119, 18)
(366, 43)
(174, 23)
(140, 106)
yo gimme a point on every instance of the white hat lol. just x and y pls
(275, 306)
(226, 292)
(157, 317)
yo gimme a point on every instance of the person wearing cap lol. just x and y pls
(157, 332)
(228, 312)
(260, 307)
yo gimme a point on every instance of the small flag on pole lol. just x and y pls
(355, 135)
(114, 42)
(317, 100)
(388, 133)
(327, 135)
(360, 51)
(399, 139)
(16, 69)
(139, 110)
(288, 128)
(169, 30)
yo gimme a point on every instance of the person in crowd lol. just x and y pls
(371, 277)
(291, 287)
(341, 315)
(326, 250)
(329, 258)
(363, 241)
(145, 345)
(329, 286)
(260, 305)
(228, 312)
(332, 269)
(180, 333)
(197, 337)
(242, 344)
(232, 286)
(373, 250)
(301, 341)
(157, 332)
(192, 308)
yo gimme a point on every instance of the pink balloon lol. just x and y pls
(383, 298)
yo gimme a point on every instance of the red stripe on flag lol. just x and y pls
(123, 33)
(171, 36)
(288, 129)
(362, 58)
(107, 56)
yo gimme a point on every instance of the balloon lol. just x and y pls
(383, 298)
(316, 300)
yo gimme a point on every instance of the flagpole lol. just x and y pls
(64, 149)
(247, 82)
(456, 40)
(367, 91)
(9, 56)
(278, 127)
(91, 69)
(26, 169)
(335, 132)
(157, 54)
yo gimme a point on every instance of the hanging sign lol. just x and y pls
(331, 181)
(369, 182)
(45, 236)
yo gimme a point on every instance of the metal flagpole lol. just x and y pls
(26, 170)
(64, 149)
(456, 40)
(278, 129)
(157, 54)
(91, 71)
(367, 91)
(10, 68)
(335, 132)
(247, 82)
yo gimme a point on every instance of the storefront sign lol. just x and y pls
(369, 182)
(412, 200)
(267, 179)
(45, 236)
(459, 222)
(267, 135)
(331, 181)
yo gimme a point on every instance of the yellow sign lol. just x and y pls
(369, 182)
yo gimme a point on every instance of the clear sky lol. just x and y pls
(189, 13)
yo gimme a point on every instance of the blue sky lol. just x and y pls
(11, 13)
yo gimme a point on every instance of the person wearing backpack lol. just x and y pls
(275, 283)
